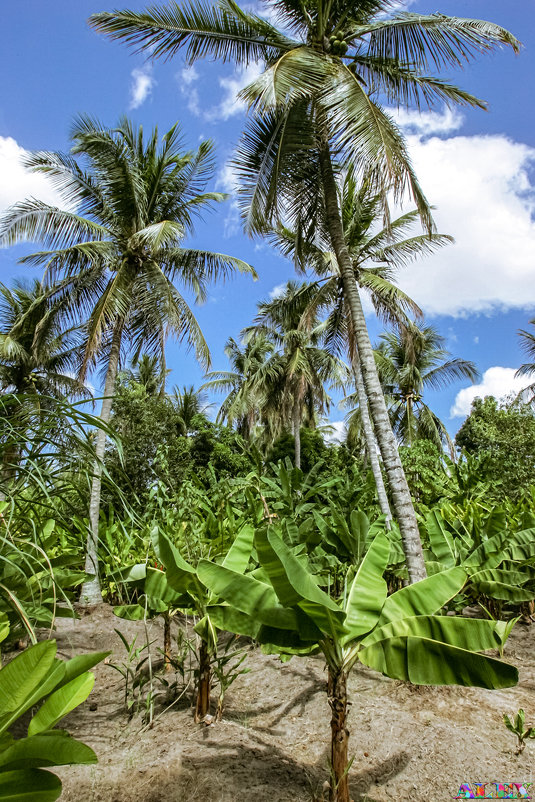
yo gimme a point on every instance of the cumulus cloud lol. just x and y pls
(142, 85)
(497, 381)
(18, 183)
(335, 431)
(277, 291)
(484, 195)
(230, 104)
(187, 78)
(226, 181)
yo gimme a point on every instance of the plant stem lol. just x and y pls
(337, 694)
(202, 702)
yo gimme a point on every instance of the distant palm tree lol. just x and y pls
(148, 372)
(39, 352)
(527, 341)
(292, 381)
(408, 361)
(242, 406)
(377, 253)
(117, 256)
(189, 403)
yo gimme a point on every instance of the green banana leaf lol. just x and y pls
(294, 585)
(424, 661)
(239, 554)
(368, 590)
(246, 594)
(61, 702)
(29, 785)
(502, 585)
(38, 751)
(79, 665)
(474, 634)
(180, 574)
(441, 540)
(4, 626)
(227, 619)
(425, 597)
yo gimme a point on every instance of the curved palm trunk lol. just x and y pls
(371, 442)
(399, 488)
(91, 592)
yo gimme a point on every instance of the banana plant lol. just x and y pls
(31, 677)
(400, 635)
(497, 561)
(179, 588)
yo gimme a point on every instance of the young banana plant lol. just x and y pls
(401, 635)
(180, 588)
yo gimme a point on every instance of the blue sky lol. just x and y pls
(476, 168)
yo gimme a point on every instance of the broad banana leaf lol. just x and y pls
(44, 750)
(425, 597)
(62, 702)
(248, 595)
(473, 634)
(27, 679)
(30, 785)
(239, 554)
(368, 590)
(294, 585)
(502, 585)
(4, 626)
(227, 619)
(180, 575)
(79, 665)
(441, 540)
(424, 661)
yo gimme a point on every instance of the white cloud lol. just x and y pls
(18, 183)
(187, 78)
(335, 431)
(142, 85)
(497, 381)
(277, 290)
(484, 196)
(230, 104)
(428, 122)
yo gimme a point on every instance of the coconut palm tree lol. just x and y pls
(377, 254)
(242, 406)
(39, 354)
(116, 252)
(292, 381)
(317, 114)
(409, 360)
(189, 403)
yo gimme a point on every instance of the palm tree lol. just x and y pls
(409, 360)
(527, 341)
(118, 254)
(316, 114)
(38, 354)
(242, 406)
(149, 374)
(376, 256)
(189, 403)
(292, 380)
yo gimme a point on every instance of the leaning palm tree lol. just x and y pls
(377, 254)
(115, 252)
(292, 381)
(316, 115)
(242, 405)
(410, 360)
(39, 353)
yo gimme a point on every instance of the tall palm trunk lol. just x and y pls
(369, 436)
(91, 592)
(401, 496)
(296, 415)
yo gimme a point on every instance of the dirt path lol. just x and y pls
(415, 744)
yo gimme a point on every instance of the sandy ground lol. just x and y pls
(408, 743)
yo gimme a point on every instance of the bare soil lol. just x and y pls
(408, 743)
